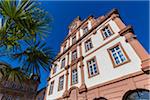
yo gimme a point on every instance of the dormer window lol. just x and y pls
(73, 26)
(54, 69)
(73, 39)
(65, 47)
(85, 30)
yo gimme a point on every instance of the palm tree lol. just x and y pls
(24, 22)
(34, 58)
(12, 74)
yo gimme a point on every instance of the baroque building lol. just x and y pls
(100, 59)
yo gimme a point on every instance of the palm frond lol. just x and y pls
(35, 57)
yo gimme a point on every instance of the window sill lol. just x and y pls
(115, 66)
(93, 75)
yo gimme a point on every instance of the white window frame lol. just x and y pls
(61, 83)
(63, 63)
(74, 39)
(55, 69)
(92, 67)
(118, 55)
(51, 88)
(107, 32)
(74, 76)
(65, 47)
(88, 45)
(85, 30)
(74, 55)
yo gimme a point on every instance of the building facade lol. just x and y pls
(40, 94)
(100, 59)
(16, 90)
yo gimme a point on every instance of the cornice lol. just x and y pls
(126, 30)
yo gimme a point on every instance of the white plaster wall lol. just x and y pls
(77, 35)
(106, 69)
(78, 51)
(61, 49)
(89, 24)
(97, 39)
(56, 93)
(59, 69)
(70, 41)
(70, 58)
(81, 32)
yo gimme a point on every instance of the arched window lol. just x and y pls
(138, 94)
(100, 98)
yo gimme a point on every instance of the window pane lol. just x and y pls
(92, 67)
(106, 32)
(118, 55)
(61, 83)
(88, 45)
(63, 63)
(74, 76)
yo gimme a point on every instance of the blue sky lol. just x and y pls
(63, 12)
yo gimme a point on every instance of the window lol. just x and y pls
(74, 76)
(54, 69)
(61, 83)
(51, 88)
(73, 26)
(85, 30)
(88, 45)
(63, 63)
(106, 32)
(138, 94)
(92, 67)
(74, 55)
(118, 55)
(73, 39)
(65, 47)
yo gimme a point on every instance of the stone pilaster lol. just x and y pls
(83, 85)
(128, 33)
(66, 93)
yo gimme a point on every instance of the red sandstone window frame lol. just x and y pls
(86, 50)
(65, 47)
(112, 59)
(89, 75)
(74, 39)
(62, 66)
(52, 83)
(72, 68)
(110, 29)
(55, 68)
(59, 83)
(72, 56)
(85, 28)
